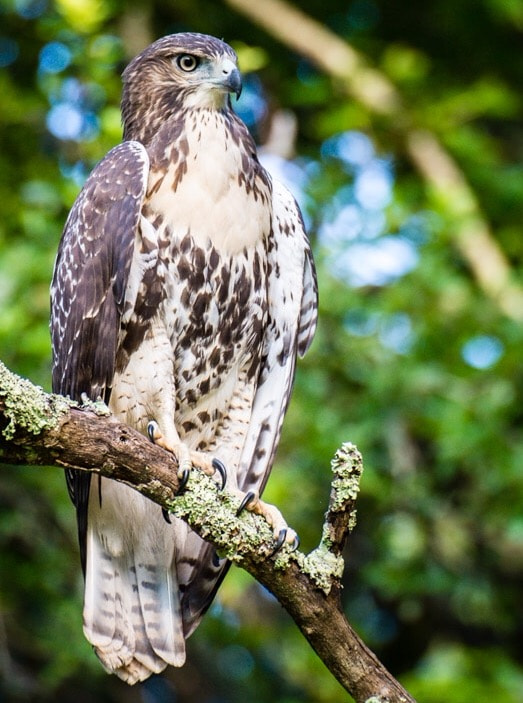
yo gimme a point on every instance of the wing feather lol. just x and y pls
(293, 302)
(88, 287)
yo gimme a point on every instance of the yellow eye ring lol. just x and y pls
(187, 62)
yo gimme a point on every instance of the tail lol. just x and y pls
(132, 614)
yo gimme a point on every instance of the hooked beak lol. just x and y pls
(231, 77)
(234, 83)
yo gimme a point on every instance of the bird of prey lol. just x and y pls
(183, 290)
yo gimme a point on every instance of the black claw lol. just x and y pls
(295, 544)
(220, 468)
(183, 480)
(166, 516)
(247, 498)
(150, 430)
(216, 561)
(281, 540)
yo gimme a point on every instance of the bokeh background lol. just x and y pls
(399, 128)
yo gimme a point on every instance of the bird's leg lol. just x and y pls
(186, 457)
(282, 533)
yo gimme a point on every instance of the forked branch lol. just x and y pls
(40, 429)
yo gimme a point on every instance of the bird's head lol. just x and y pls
(177, 72)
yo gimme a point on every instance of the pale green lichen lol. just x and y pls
(213, 513)
(27, 406)
(285, 556)
(323, 567)
(328, 536)
(347, 468)
(98, 407)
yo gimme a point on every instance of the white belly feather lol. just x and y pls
(209, 201)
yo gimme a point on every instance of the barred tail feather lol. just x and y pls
(160, 608)
(106, 608)
(132, 614)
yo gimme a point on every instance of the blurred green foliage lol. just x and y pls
(416, 365)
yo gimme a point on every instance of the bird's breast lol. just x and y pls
(209, 206)
(216, 315)
(207, 184)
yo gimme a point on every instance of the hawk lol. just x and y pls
(183, 290)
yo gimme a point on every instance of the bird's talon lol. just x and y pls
(166, 516)
(280, 541)
(152, 431)
(183, 475)
(216, 559)
(220, 468)
(295, 543)
(248, 498)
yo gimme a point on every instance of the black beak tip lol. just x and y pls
(234, 83)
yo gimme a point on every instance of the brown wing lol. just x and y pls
(88, 287)
(293, 303)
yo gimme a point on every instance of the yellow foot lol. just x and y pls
(282, 533)
(186, 457)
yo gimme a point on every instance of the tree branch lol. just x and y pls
(37, 428)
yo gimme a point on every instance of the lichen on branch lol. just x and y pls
(347, 467)
(212, 512)
(27, 406)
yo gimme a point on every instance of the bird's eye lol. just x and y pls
(187, 62)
